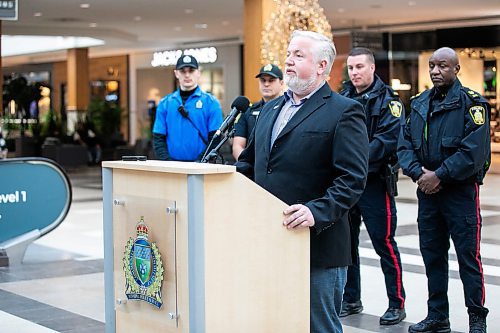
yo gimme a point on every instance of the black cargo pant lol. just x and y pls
(453, 211)
(378, 211)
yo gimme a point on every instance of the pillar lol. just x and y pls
(255, 16)
(78, 79)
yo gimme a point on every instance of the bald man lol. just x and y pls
(445, 148)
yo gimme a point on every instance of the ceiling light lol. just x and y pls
(201, 26)
(37, 14)
(92, 25)
(19, 45)
(84, 5)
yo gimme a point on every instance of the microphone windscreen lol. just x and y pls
(241, 103)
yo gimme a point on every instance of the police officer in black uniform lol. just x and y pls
(270, 86)
(384, 114)
(445, 148)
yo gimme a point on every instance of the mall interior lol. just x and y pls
(110, 62)
(123, 82)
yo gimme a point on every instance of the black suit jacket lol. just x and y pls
(319, 159)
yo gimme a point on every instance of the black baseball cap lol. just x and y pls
(271, 70)
(186, 61)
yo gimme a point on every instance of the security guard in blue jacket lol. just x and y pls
(445, 148)
(187, 119)
(384, 114)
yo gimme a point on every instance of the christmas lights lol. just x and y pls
(290, 15)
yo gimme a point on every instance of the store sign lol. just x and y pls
(204, 55)
(8, 10)
(371, 40)
(35, 195)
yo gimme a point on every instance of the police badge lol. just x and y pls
(268, 67)
(143, 268)
(396, 108)
(477, 113)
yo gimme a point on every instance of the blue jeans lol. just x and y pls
(327, 288)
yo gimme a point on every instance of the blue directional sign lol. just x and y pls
(35, 194)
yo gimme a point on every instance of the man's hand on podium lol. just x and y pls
(298, 216)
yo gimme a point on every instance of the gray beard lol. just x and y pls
(300, 86)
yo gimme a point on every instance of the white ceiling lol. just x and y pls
(129, 26)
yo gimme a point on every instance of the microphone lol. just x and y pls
(239, 105)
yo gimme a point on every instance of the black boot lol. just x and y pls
(392, 316)
(477, 323)
(350, 308)
(429, 325)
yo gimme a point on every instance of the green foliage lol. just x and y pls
(8, 125)
(104, 118)
(50, 125)
(16, 88)
(345, 78)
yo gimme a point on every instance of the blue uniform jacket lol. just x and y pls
(455, 143)
(384, 115)
(183, 141)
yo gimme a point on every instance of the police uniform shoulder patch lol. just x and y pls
(472, 93)
(477, 113)
(392, 92)
(420, 93)
(396, 108)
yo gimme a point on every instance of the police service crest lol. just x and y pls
(143, 268)
(477, 113)
(268, 67)
(396, 108)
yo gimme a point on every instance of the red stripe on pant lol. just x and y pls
(478, 245)
(391, 249)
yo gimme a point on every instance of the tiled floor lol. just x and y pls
(60, 288)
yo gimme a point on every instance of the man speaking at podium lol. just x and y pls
(311, 150)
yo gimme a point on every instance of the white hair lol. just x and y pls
(324, 48)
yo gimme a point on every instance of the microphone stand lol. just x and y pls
(214, 153)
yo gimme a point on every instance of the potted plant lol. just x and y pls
(104, 118)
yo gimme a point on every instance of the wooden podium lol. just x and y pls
(229, 265)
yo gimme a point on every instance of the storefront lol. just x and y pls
(152, 77)
(108, 80)
(478, 49)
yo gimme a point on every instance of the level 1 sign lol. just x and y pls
(35, 195)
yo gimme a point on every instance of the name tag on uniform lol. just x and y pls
(199, 104)
(255, 113)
